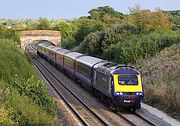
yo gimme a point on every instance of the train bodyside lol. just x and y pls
(109, 79)
(70, 62)
(41, 48)
(60, 58)
(84, 72)
(52, 54)
(102, 80)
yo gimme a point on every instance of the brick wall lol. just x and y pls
(31, 36)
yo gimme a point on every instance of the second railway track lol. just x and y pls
(85, 114)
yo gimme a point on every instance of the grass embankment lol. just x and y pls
(161, 78)
(157, 54)
(23, 97)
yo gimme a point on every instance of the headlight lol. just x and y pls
(139, 93)
(118, 93)
(121, 93)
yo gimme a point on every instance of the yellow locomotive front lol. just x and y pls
(127, 88)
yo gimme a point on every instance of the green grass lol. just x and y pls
(23, 95)
(21, 110)
(10, 34)
(161, 77)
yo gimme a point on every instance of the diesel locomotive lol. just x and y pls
(118, 85)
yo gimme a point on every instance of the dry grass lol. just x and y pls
(161, 79)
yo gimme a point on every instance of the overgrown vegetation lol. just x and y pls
(175, 18)
(161, 79)
(24, 99)
(9, 34)
(142, 35)
(141, 47)
(146, 19)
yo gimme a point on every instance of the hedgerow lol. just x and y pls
(21, 78)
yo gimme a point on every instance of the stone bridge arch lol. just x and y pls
(32, 36)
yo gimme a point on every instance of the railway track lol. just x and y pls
(85, 115)
(135, 117)
(146, 120)
(93, 118)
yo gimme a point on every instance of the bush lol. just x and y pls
(5, 118)
(86, 26)
(118, 33)
(9, 34)
(66, 29)
(43, 24)
(92, 43)
(17, 72)
(21, 110)
(161, 79)
(69, 42)
(150, 20)
(143, 46)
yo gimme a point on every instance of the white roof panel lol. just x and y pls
(89, 60)
(73, 55)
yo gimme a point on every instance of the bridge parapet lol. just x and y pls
(32, 36)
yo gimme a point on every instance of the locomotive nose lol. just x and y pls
(127, 90)
(127, 101)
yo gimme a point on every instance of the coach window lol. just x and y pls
(84, 69)
(59, 57)
(69, 62)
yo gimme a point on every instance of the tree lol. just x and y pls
(106, 15)
(145, 19)
(69, 42)
(65, 28)
(2, 27)
(100, 12)
(93, 42)
(118, 33)
(86, 26)
(43, 24)
(175, 18)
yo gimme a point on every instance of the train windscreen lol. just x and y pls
(128, 80)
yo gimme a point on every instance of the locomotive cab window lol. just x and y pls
(127, 80)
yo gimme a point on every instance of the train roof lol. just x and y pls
(45, 44)
(114, 68)
(48, 47)
(62, 51)
(126, 70)
(89, 60)
(106, 67)
(53, 48)
(45, 41)
(73, 55)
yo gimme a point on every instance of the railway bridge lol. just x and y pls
(32, 36)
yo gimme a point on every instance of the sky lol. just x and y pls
(69, 9)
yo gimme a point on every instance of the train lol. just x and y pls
(117, 85)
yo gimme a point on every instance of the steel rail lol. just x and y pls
(128, 120)
(62, 97)
(76, 113)
(149, 122)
